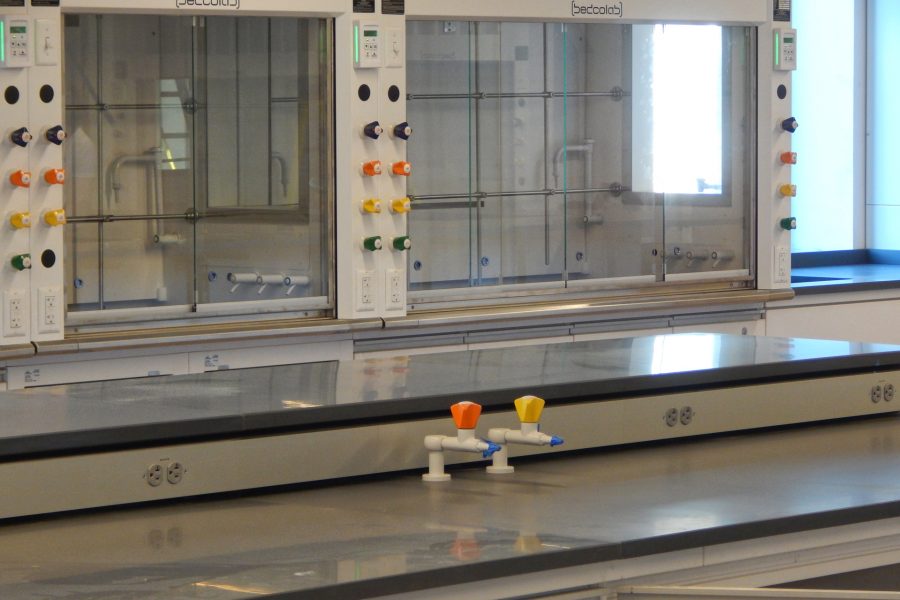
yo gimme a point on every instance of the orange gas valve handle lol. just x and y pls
(402, 168)
(466, 414)
(372, 168)
(55, 176)
(789, 158)
(21, 179)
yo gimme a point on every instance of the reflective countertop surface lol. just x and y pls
(400, 534)
(77, 416)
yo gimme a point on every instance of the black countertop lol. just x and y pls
(89, 417)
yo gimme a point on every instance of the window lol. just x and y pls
(829, 103)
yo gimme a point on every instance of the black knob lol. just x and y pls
(373, 130)
(56, 135)
(790, 125)
(21, 137)
(403, 131)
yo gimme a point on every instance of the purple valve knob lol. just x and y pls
(56, 135)
(403, 131)
(21, 137)
(373, 130)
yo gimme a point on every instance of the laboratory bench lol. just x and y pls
(305, 480)
(398, 535)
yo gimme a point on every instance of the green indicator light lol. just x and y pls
(3, 41)
(777, 48)
(356, 44)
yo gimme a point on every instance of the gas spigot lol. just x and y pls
(21, 178)
(401, 206)
(529, 409)
(465, 415)
(56, 135)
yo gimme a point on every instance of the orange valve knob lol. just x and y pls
(788, 190)
(466, 414)
(55, 218)
(55, 176)
(372, 168)
(21, 179)
(402, 168)
(789, 158)
(21, 220)
(372, 206)
(401, 206)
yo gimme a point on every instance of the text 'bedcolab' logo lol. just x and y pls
(598, 10)
(235, 4)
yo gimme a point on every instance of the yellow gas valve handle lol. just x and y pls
(401, 206)
(55, 218)
(372, 206)
(21, 220)
(529, 408)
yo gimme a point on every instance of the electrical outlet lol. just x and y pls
(175, 473)
(49, 310)
(782, 265)
(365, 291)
(394, 289)
(15, 313)
(153, 475)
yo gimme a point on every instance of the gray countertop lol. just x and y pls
(94, 416)
(400, 534)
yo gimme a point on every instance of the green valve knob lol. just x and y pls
(372, 243)
(402, 243)
(789, 224)
(20, 262)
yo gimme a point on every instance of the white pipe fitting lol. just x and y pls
(465, 441)
(528, 435)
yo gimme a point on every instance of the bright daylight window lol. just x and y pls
(687, 93)
(825, 103)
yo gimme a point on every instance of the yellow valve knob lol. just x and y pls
(529, 408)
(21, 220)
(372, 206)
(55, 218)
(401, 206)
(55, 176)
(21, 179)
(788, 190)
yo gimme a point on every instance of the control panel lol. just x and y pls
(372, 154)
(15, 42)
(31, 177)
(786, 49)
(777, 207)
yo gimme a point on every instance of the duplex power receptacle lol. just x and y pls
(154, 475)
(175, 473)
